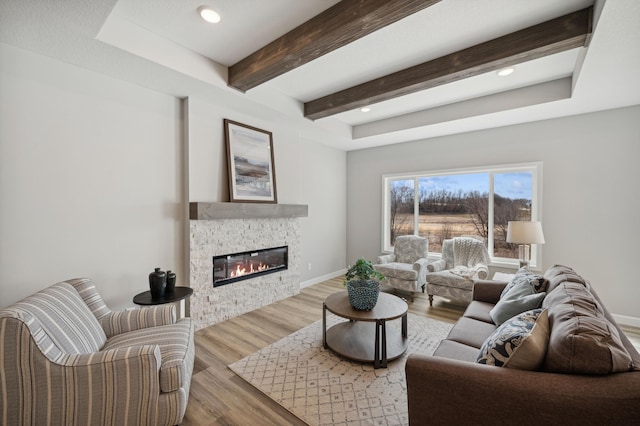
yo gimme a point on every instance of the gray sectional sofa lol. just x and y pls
(579, 369)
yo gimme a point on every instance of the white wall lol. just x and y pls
(90, 180)
(96, 174)
(590, 192)
(307, 172)
(323, 177)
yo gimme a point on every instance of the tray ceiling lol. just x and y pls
(191, 56)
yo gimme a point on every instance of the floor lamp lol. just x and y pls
(524, 233)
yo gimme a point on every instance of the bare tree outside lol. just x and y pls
(505, 210)
(446, 210)
(401, 209)
(446, 232)
(477, 205)
(468, 214)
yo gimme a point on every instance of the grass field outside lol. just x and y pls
(439, 227)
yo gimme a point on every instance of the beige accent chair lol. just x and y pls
(406, 268)
(464, 259)
(66, 359)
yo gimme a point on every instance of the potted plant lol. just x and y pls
(363, 285)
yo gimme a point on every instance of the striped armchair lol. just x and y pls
(66, 359)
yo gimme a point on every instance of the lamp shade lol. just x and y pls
(521, 232)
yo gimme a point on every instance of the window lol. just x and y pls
(477, 202)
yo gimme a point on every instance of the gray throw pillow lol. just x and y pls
(524, 293)
(540, 283)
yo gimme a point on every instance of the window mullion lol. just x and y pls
(490, 218)
(416, 205)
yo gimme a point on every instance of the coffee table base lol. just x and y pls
(357, 340)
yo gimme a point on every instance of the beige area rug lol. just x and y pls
(321, 388)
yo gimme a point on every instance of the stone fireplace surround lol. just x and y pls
(219, 228)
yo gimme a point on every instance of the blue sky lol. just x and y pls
(511, 185)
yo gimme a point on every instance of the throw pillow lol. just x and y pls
(519, 343)
(540, 283)
(524, 293)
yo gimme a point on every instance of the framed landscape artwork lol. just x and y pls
(252, 177)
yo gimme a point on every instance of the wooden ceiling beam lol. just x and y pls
(550, 37)
(337, 26)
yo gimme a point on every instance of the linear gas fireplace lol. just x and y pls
(234, 267)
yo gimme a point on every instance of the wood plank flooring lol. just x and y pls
(219, 397)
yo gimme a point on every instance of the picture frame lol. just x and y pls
(250, 163)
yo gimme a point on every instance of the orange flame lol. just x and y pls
(243, 271)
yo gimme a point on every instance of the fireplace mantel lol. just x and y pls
(217, 211)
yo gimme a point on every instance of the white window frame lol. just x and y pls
(536, 205)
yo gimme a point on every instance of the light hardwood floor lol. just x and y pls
(219, 397)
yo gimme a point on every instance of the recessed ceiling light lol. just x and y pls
(365, 109)
(506, 71)
(209, 14)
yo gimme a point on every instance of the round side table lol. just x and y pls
(179, 295)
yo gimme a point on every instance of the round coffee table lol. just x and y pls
(365, 337)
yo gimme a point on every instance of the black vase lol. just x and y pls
(171, 282)
(157, 283)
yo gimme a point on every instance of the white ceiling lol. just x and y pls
(166, 46)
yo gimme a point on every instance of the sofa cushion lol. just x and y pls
(520, 342)
(471, 332)
(479, 311)
(558, 274)
(455, 350)
(582, 340)
(175, 342)
(525, 292)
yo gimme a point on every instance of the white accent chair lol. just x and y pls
(464, 259)
(406, 268)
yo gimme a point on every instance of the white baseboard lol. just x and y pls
(626, 320)
(322, 278)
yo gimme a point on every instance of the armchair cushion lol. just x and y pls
(386, 258)
(437, 266)
(173, 341)
(63, 317)
(403, 271)
(447, 278)
(409, 248)
(115, 323)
